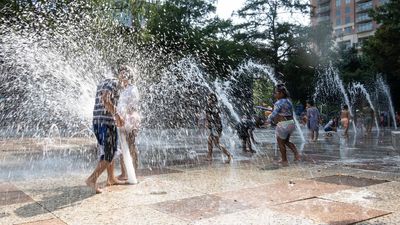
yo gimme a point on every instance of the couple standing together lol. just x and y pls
(108, 119)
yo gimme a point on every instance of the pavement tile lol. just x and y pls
(155, 171)
(330, 212)
(256, 216)
(349, 180)
(22, 213)
(199, 207)
(45, 222)
(385, 196)
(281, 192)
(136, 215)
(10, 194)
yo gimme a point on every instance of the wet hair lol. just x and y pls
(213, 97)
(346, 107)
(128, 71)
(282, 89)
(310, 102)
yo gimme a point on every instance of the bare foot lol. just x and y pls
(230, 158)
(122, 177)
(283, 163)
(115, 181)
(297, 157)
(93, 185)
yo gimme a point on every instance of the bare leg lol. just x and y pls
(135, 156)
(210, 148)
(123, 175)
(244, 145)
(282, 149)
(294, 150)
(92, 179)
(316, 134)
(223, 149)
(111, 179)
(311, 135)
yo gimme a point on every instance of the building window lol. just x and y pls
(364, 27)
(338, 22)
(338, 31)
(337, 12)
(347, 19)
(347, 9)
(345, 44)
(364, 6)
(338, 3)
(348, 2)
(363, 16)
(347, 30)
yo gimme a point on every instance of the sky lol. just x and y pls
(226, 7)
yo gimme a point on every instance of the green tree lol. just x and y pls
(383, 49)
(263, 27)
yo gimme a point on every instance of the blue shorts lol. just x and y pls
(106, 136)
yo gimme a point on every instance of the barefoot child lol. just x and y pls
(345, 119)
(282, 116)
(214, 124)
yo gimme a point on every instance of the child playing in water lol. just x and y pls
(282, 116)
(313, 117)
(245, 132)
(345, 119)
(214, 124)
(331, 126)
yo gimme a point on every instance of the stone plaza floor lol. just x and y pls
(338, 181)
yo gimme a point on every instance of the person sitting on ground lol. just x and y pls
(331, 126)
(345, 119)
(214, 124)
(245, 130)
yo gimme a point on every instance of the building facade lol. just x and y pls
(349, 19)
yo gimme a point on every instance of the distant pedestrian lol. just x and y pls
(345, 119)
(369, 116)
(313, 118)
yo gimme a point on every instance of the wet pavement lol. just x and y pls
(340, 180)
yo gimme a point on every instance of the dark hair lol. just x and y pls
(310, 102)
(346, 107)
(212, 96)
(282, 89)
(127, 69)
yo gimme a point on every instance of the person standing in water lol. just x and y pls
(245, 130)
(106, 119)
(282, 116)
(369, 116)
(128, 109)
(345, 119)
(214, 124)
(313, 117)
